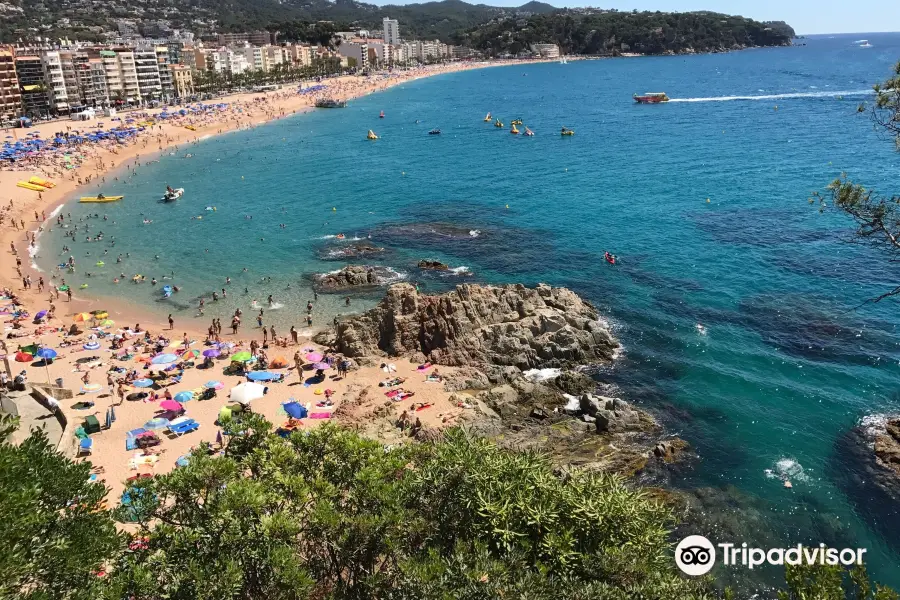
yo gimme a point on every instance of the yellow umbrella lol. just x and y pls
(83, 317)
(107, 323)
(101, 314)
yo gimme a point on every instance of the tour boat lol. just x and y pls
(330, 103)
(651, 98)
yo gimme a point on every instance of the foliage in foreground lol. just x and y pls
(876, 217)
(327, 514)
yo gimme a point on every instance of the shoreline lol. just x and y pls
(26, 204)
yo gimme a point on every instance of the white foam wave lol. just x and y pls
(775, 96)
(541, 374)
(393, 276)
(56, 211)
(460, 270)
(787, 469)
(205, 137)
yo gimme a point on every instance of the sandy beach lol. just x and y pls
(98, 377)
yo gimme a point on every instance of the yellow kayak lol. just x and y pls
(42, 182)
(31, 186)
(103, 199)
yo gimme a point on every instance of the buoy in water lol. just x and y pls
(334, 209)
(507, 206)
(707, 199)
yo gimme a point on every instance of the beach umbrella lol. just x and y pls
(321, 366)
(82, 317)
(163, 359)
(262, 376)
(40, 314)
(214, 385)
(314, 357)
(219, 437)
(107, 323)
(182, 460)
(142, 383)
(171, 405)
(30, 349)
(184, 396)
(156, 423)
(246, 393)
(100, 314)
(46, 353)
(188, 354)
(211, 353)
(92, 346)
(242, 357)
(112, 414)
(91, 388)
(108, 419)
(23, 357)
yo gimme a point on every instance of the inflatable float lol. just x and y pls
(371, 135)
(100, 199)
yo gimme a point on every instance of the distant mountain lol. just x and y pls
(537, 8)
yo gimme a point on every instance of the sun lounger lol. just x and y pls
(185, 427)
(85, 446)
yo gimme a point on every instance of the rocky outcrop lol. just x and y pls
(351, 276)
(887, 447)
(432, 265)
(477, 325)
(360, 250)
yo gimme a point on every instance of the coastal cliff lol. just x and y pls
(516, 353)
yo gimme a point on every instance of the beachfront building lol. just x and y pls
(182, 80)
(357, 53)
(147, 68)
(10, 94)
(301, 56)
(254, 56)
(391, 32)
(90, 78)
(228, 61)
(163, 59)
(121, 75)
(546, 50)
(55, 82)
(272, 57)
(33, 88)
(255, 38)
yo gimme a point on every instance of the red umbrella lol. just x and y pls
(23, 357)
(170, 405)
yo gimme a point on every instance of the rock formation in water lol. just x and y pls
(351, 276)
(360, 250)
(491, 334)
(505, 326)
(432, 265)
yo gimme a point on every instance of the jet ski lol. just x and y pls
(173, 194)
(434, 132)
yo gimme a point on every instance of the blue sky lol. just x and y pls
(805, 16)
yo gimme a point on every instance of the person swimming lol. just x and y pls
(271, 300)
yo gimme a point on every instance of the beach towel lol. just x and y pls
(424, 367)
(424, 406)
(294, 410)
(320, 415)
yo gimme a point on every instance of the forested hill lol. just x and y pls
(617, 32)
(496, 30)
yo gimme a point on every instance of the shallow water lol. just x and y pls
(783, 365)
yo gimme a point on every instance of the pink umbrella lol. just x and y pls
(170, 405)
(314, 357)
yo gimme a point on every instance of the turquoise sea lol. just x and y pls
(786, 361)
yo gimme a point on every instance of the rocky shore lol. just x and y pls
(517, 352)
(351, 277)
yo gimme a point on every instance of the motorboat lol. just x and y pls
(651, 98)
(434, 132)
(528, 132)
(172, 195)
(487, 119)
(497, 123)
(371, 135)
(330, 103)
(567, 131)
(865, 44)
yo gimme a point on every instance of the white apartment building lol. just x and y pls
(255, 57)
(228, 61)
(391, 32)
(149, 84)
(55, 81)
(546, 50)
(121, 75)
(272, 57)
(165, 75)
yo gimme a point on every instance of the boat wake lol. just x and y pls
(775, 96)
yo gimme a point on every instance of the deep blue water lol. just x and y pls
(788, 362)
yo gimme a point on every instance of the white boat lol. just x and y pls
(865, 44)
(173, 195)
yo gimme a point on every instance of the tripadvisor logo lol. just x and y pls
(695, 555)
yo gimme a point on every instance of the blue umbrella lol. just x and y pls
(46, 353)
(163, 359)
(183, 460)
(143, 383)
(184, 396)
(262, 376)
(108, 419)
(112, 414)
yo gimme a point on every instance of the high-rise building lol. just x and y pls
(165, 75)
(147, 67)
(391, 32)
(10, 94)
(121, 75)
(35, 98)
(55, 81)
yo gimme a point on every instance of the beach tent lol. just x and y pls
(295, 410)
(246, 393)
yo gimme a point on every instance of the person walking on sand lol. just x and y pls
(294, 335)
(272, 333)
(265, 335)
(171, 322)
